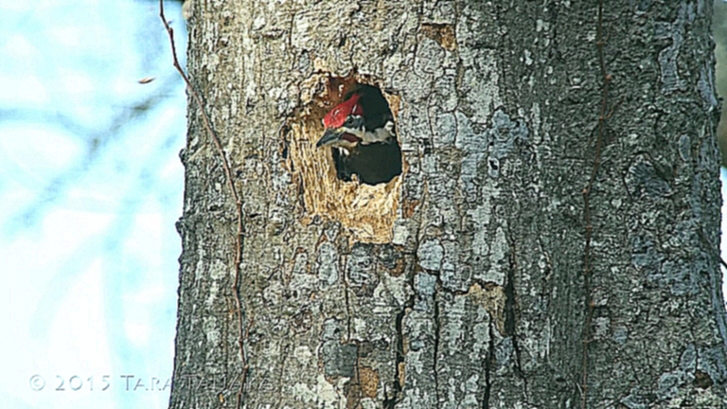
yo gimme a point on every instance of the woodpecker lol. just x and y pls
(361, 132)
(372, 164)
(363, 118)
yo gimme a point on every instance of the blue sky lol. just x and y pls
(90, 188)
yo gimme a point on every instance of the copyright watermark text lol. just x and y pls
(98, 383)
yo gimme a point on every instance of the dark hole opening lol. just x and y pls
(372, 162)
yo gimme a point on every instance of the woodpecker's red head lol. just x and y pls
(343, 124)
(364, 118)
(338, 115)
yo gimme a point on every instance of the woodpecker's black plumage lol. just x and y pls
(372, 164)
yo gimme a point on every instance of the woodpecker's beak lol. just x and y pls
(329, 137)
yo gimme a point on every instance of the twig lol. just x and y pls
(603, 116)
(243, 332)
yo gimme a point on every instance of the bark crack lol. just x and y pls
(348, 310)
(398, 384)
(510, 310)
(344, 279)
(280, 374)
(437, 337)
(489, 362)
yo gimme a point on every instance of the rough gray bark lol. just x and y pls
(461, 283)
(719, 30)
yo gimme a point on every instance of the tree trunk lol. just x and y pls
(551, 243)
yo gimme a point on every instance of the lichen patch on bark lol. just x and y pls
(368, 212)
(443, 34)
(492, 299)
